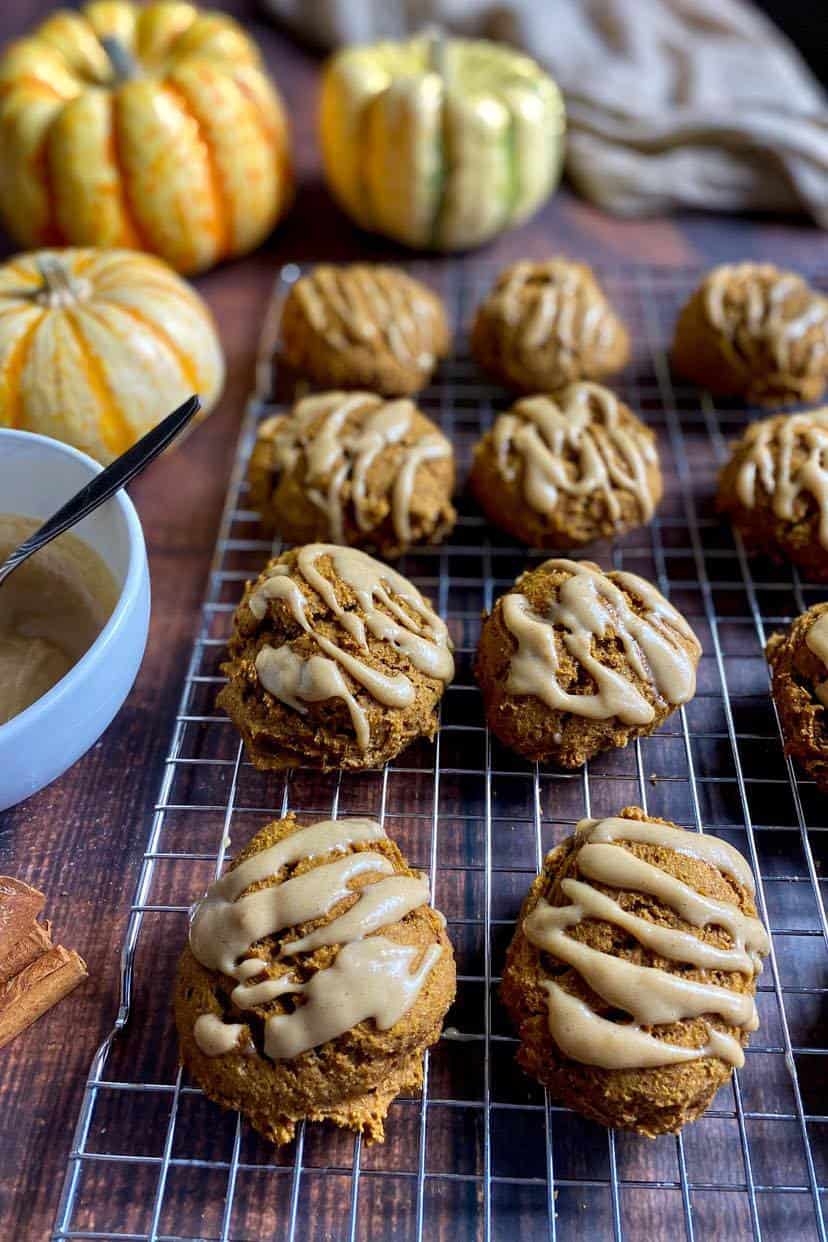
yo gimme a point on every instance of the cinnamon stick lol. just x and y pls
(19, 907)
(33, 943)
(39, 986)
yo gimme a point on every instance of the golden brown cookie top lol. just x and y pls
(653, 922)
(781, 463)
(765, 316)
(320, 928)
(577, 442)
(357, 458)
(552, 316)
(372, 306)
(597, 645)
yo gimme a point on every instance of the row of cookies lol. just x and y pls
(317, 974)
(749, 329)
(336, 661)
(557, 471)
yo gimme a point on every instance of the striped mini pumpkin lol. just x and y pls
(149, 127)
(96, 346)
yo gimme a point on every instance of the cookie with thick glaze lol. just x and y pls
(335, 661)
(356, 469)
(363, 326)
(774, 489)
(755, 330)
(632, 973)
(560, 470)
(316, 975)
(545, 325)
(572, 661)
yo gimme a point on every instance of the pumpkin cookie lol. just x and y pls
(798, 662)
(774, 489)
(336, 661)
(632, 974)
(561, 470)
(354, 469)
(755, 330)
(544, 325)
(364, 326)
(572, 661)
(316, 976)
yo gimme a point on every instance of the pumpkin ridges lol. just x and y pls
(13, 370)
(222, 205)
(36, 85)
(51, 233)
(20, 271)
(189, 372)
(275, 134)
(133, 262)
(151, 48)
(115, 430)
(133, 225)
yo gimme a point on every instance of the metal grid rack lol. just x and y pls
(483, 1154)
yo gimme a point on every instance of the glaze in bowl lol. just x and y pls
(37, 475)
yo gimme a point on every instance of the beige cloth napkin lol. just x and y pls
(694, 103)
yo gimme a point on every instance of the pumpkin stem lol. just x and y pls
(124, 65)
(58, 288)
(437, 47)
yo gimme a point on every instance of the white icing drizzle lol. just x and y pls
(424, 641)
(589, 604)
(767, 457)
(295, 681)
(650, 995)
(776, 308)
(339, 454)
(583, 1035)
(817, 642)
(371, 977)
(374, 306)
(712, 850)
(584, 419)
(554, 301)
(215, 1037)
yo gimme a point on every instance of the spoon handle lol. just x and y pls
(112, 479)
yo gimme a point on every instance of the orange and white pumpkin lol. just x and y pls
(149, 127)
(96, 346)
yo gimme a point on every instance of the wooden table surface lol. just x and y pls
(81, 839)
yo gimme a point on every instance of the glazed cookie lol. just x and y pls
(336, 661)
(364, 326)
(353, 468)
(558, 471)
(573, 661)
(798, 662)
(315, 977)
(632, 974)
(774, 489)
(755, 330)
(544, 325)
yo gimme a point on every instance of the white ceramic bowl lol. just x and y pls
(37, 475)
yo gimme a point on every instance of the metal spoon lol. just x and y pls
(97, 490)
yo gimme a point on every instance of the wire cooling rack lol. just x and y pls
(483, 1153)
